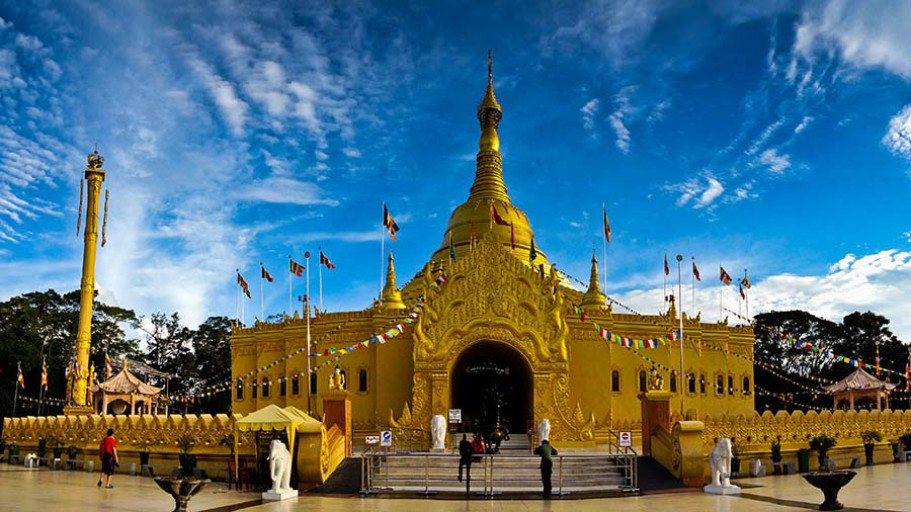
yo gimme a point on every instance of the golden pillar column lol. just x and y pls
(94, 177)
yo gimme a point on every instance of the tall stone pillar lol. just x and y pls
(94, 177)
(337, 411)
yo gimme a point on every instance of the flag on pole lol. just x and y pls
(296, 268)
(725, 277)
(667, 269)
(324, 260)
(108, 367)
(512, 236)
(743, 294)
(44, 376)
(266, 275)
(495, 217)
(19, 378)
(532, 253)
(389, 224)
(243, 284)
(908, 375)
(696, 272)
(452, 254)
(607, 230)
(746, 282)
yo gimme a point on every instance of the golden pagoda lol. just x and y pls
(499, 335)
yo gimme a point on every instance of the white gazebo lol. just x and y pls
(861, 386)
(124, 393)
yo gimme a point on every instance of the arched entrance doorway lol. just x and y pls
(491, 376)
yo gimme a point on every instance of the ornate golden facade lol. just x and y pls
(496, 312)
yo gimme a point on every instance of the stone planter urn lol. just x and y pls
(181, 489)
(830, 483)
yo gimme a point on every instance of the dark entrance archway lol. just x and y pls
(490, 374)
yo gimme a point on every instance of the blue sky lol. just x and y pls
(774, 137)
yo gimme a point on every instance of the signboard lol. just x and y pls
(455, 415)
(626, 438)
(373, 439)
(386, 438)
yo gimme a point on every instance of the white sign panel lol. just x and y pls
(455, 415)
(386, 438)
(626, 438)
(373, 439)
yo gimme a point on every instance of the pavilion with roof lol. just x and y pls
(860, 386)
(124, 393)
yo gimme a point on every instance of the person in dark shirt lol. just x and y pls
(546, 451)
(107, 450)
(465, 452)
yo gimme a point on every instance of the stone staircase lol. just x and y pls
(514, 472)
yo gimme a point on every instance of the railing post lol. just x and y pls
(426, 475)
(561, 474)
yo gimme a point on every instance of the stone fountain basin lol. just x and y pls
(830, 482)
(181, 489)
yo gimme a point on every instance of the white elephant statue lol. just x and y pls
(544, 430)
(720, 464)
(279, 466)
(438, 432)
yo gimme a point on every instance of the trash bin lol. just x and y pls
(803, 461)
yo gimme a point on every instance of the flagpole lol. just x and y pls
(290, 278)
(747, 295)
(604, 247)
(41, 385)
(680, 294)
(16, 393)
(664, 271)
(320, 270)
(382, 249)
(307, 314)
(693, 279)
(262, 307)
(243, 313)
(237, 298)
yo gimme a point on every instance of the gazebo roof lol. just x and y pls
(125, 383)
(860, 380)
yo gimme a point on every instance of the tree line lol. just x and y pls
(856, 336)
(42, 325)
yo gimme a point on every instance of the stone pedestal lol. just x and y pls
(337, 411)
(279, 496)
(656, 410)
(731, 490)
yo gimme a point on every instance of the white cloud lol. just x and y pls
(589, 111)
(623, 112)
(803, 124)
(898, 136)
(705, 191)
(773, 161)
(232, 108)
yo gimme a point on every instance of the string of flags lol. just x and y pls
(43, 400)
(380, 338)
(857, 363)
(624, 341)
(787, 398)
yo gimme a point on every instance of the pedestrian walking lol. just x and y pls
(107, 450)
(465, 452)
(546, 451)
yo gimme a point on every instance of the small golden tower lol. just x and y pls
(593, 298)
(392, 297)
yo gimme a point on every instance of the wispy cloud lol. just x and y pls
(700, 192)
(898, 135)
(589, 111)
(623, 112)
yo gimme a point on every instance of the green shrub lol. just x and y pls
(822, 444)
(871, 436)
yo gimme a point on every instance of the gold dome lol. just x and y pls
(488, 193)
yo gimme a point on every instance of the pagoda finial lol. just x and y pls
(392, 297)
(593, 297)
(488, 183)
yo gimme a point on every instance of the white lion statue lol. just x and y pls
(720, 462)
(279, 466)
(438, 432)
(544, 430)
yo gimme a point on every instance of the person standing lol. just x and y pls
(465, 452)
(107, 450)
(546, 451)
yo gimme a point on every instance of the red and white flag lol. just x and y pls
(243, 284)
(725, 277)
(696, 272)
(324, 260)
(265, 274)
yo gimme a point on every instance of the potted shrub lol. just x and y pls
(822, 444)
(187, 460)
(905, 440)
(143, 447)
(776, 456)
(71, 452)
(13, 452)
(870, 438)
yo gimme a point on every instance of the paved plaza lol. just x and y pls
(878, 488)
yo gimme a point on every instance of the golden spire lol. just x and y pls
(488, 181)
(392, 297)
(594, 297)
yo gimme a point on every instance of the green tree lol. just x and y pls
(211, 344)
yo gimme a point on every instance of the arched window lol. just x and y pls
(362, 380)
(702, 383)
(282, 386)
(615, 380)
(643, 381)
(239, 389)
(719, 385)
(254, 386)
(692, 382)
(746, 385)
(265, 387)
(313, 383)
(673, 381)
(730, 384)
(296, 385)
